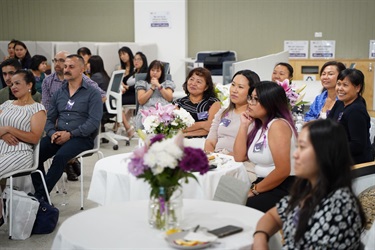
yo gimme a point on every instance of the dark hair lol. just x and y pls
(253, 79)
(144, 67)
(128, 51)
(339, 66)
(273, 99)
(356, 78)
(206, 74)
(334, 161)
(97, 65)
(11, 62)
(156, 65)
(36, 60)
(25, 62)
(84, 51)
(80, 58)
(28, 76)
(289, 67)
(12, 41)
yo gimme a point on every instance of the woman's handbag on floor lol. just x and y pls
(46, 219)
(23, 215)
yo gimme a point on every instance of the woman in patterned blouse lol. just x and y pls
(322, 211)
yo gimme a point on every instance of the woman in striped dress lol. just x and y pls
(21, 125)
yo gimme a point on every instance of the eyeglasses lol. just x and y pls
(54, 60)
(252, 100)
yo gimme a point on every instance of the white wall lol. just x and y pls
(171, 41)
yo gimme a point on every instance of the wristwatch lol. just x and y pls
(160, 87)
(253, 189)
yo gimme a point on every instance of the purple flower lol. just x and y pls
(194, 159)
(136, 166)
(156, 138)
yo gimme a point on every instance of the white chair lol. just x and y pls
(231, 189)
(114, 107)
(23, 172)
(87, 153)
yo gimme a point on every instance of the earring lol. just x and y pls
(29, 90)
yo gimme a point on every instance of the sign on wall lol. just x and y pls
(160, 19)
(322, 49)
(372, 49)
(297, 49)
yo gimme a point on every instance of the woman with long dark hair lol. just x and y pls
(22, 54)
(97, 72)
(322, 212)
(269, 144)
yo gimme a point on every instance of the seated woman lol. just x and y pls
(155, 89)
(201, 102)
(226, 122)
(86, 54)
(324, 102)
(39, 67)
(350, 111)
(268, 145)
(282, 71)
(322, 211)
(21, 125)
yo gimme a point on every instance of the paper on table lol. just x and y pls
(200, 236)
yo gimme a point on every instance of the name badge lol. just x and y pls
(69, 105)
(225, 122)
(203, 115)
(258, 148)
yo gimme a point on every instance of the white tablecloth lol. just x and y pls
(125, 226)
(111, 181)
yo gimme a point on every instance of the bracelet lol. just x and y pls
(263, 232)
(152, 89)
(160, 88)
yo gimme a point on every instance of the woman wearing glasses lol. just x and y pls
(225, 125)
(268, 145)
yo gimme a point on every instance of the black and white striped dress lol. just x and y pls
(19, 156)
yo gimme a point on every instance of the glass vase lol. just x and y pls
(164, 214)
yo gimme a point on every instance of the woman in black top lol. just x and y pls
(350, 111)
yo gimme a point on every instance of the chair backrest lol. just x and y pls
(231, 189)
(114, 95)
(21, 172)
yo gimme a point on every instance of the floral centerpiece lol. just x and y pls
(163, 162)
(295, 97)
(167, 119)
(222, 93)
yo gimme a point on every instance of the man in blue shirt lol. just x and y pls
(73, 120)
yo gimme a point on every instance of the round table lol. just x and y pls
(125, 226)
(111, 181)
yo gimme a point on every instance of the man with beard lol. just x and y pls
(73, 120)
(50, 85)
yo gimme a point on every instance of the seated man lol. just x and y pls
(8, 68)
(73, 120)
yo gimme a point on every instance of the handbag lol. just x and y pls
(24, 212)
(46, 218)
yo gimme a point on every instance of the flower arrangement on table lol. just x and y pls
(222, 93)
(163, 162)
(295, 97)
(167, 119)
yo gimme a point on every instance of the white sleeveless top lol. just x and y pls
(259, 152)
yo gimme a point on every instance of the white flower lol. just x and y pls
(163, 154)
(150, 123)
(185, 116)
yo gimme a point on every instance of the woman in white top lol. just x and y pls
(21, 125)
(269, 144)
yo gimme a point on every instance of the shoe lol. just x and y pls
(77, 167)
(72, 176)
(131, 132)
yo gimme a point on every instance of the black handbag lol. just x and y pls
(46, 218)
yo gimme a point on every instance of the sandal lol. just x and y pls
(131, 132)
